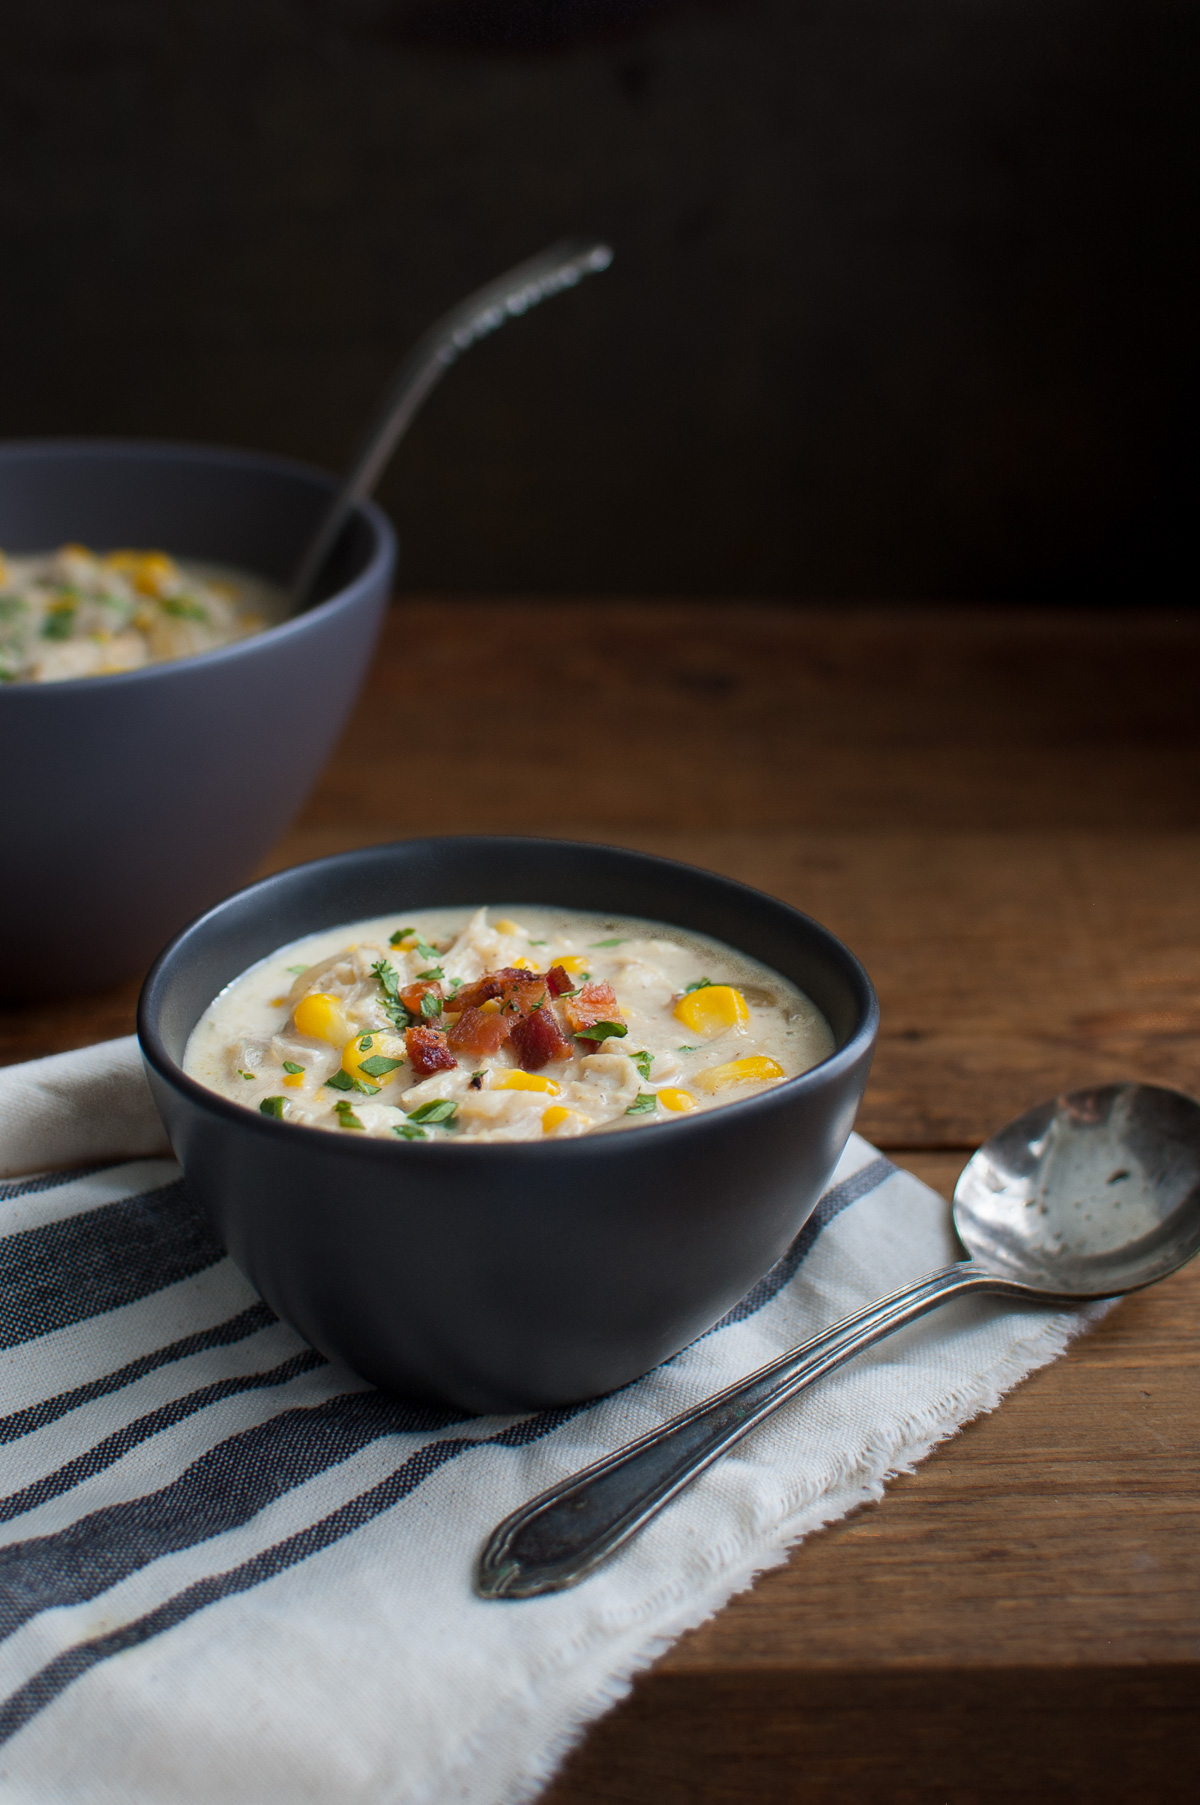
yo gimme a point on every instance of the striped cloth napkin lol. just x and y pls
(232, 1571)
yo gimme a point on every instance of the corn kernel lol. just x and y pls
(153, 573)
(754, 1070)
(294, 1080)
(554, 1117)
(572, 963)
(322, 1016)
(712, 1009)
(76, 551)
(524, 965)
(491, 1007)
(277, 1002)
(525, 1081)
(370, 1046)
(670, 1098)
(506, 926)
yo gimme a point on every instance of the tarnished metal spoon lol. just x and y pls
(562, 265)
(1089, 1196)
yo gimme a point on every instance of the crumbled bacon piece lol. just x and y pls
(411, 995)
(428, 1051)
(537, 1038)
(595, 1003)
(478, 1033)
(557, 981)
(492, 984)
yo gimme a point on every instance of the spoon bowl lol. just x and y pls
(1091, 1195)
(1088, 1196)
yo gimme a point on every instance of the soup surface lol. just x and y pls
(76, 613)
(445, 1024)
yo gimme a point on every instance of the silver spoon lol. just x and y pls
(562, 265)
(1089, 1196)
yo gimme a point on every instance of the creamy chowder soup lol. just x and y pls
(76, 613)
(445, 1024)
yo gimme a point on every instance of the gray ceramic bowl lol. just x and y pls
(518, 1275)
(131, 802)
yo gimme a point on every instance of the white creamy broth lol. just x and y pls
(397, 1026)
(78, 613)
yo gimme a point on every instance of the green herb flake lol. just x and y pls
(603, 1031)
(644, 1104)
(340, 1081)
(456, 985)
(272, 1106)
(434, 972)
(431, 1006)
(59, 621)
(617, 942)
(297, 969)
(687, 1049)
(643, 1062)
(365, 1088)
(408, 1133)
(443, 1110)
(389, 978)
(289, 1065)
(399, 935)
(539, 943)
(346, 1115)
(377, 1066)
(426, 951)
(365, 1043)
(248, 1076)
(183, 607)
(700, 984)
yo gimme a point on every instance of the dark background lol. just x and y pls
(901, 304)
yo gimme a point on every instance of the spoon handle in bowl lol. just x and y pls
(562, 1535)
(560, 266)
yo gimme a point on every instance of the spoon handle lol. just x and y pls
(562, 265)
(558, 1538)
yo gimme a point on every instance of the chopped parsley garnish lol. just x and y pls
(365, 1043)
(289, 1065)
(434, 972)
(248, 1076)
(182, 607)
(389, 982)
(700, 984)
(583, 978)
(687, 1049)
(603, 1031)
(297, 969)
(430, 1005)
(643, 1062)
(617, 942)
(377, 1066)
(340, 1081)
(273, 1106)
(346, 1115)
(408, 1133)
(539, 943)
(59, 620)
(644, 1104)
(443, 1110)
(456, 984)
(401, 934)
(476, 1081)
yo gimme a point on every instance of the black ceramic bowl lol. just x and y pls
(515, 1275)
(133, 801)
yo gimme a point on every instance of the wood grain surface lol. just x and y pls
(1000, 812)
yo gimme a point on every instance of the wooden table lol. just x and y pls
(998, 810)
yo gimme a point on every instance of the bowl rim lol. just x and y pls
(374, 1148)
(382, 556)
